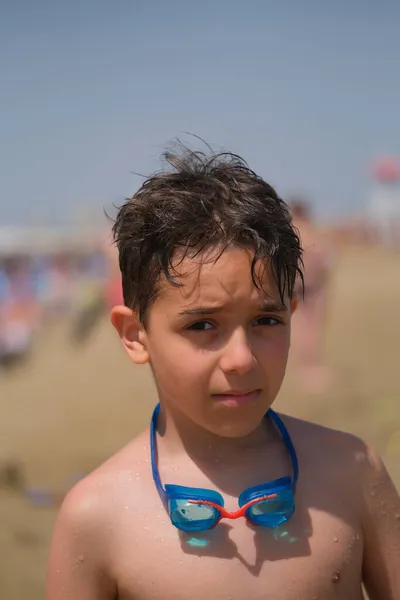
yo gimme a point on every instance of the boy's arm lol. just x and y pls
(381, 527)
(78, 555)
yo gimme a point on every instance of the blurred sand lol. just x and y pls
(69, 409)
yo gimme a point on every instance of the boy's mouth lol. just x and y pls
(237, 397)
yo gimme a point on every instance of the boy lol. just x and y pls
(209, 259)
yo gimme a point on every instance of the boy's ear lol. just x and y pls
(132, 334)
(293, 304)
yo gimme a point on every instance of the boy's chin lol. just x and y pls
(236, 431)
(236, 426)
(226, 421)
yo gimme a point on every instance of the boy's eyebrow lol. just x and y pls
(273, 307)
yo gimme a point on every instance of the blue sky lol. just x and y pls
(91, 91)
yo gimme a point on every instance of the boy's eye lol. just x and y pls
(268, 321)
(201, 326)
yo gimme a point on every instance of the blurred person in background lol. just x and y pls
(60, 286)
(19, 312)
(102, 296)
(309, 323)
(113, 291)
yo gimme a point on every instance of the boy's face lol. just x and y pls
(218, 346)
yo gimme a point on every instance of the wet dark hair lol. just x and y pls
(202, 202)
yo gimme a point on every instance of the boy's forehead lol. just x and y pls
(216, 277)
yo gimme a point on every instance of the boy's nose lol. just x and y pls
(237, 356)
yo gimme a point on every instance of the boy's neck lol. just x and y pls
(178, 435)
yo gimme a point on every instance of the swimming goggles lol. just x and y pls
(196, 509)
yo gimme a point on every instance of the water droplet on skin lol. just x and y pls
(162, 539)
(359, 456)
(335, 539)
(336, 577)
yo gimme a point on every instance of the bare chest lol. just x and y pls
(316, 555)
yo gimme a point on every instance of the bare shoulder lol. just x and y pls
(311, 432)
(349, 479)
(91, 523)
(92, 506)
(94, 496)
(343, 454)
